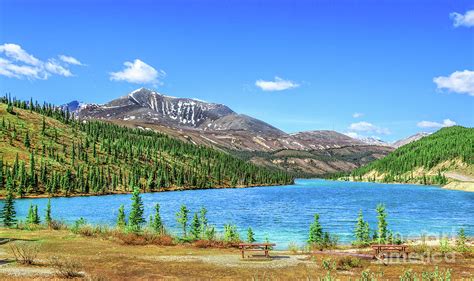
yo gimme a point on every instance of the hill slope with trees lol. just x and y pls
(44, 150)
(425, 161)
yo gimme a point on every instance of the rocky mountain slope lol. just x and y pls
(219, 126)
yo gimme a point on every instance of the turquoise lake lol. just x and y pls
(284, 213)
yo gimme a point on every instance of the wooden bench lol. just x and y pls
(263, 247)
(381, 250)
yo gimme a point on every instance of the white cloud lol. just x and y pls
(278, 84)
(461, 82)
(357, 114)
(138, 72)
(431, 124)
(54, 67)
(70, 60)
(17, 63)
(15, 52)
(368, 127)
(463, 20)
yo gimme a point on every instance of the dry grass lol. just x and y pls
(99, 258)
(66, 267)
(24, 252)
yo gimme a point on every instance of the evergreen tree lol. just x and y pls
(382, 230)
(47, 216)
(203, 219)
(8, 212)
(157, 224)
(182, 219)
(27, 140)
(30, 219)
(36, 218)
(362, 231)
(315, 231)
(195, 227)
(250, 235)
(121, 223)
(135, 220)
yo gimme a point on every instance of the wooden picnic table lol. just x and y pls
(264, 247)
(381, 249)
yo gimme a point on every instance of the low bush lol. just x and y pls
(347, 263)
(57, 225)
(66, 267)
(24, 252)
(146, 238)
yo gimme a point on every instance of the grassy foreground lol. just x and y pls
(105, 258)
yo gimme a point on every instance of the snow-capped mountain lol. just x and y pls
(152, 107)
(374, 141)
(410, 139)
(217, 125)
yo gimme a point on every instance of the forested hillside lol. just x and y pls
(44, 150)
(425, 161)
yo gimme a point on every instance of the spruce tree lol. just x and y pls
(8, 212)
(182, 219)
(27, 140)
(362, 231)
(47, 216)
(36, 218)
(315, 231)
(136, 219)
(121, 223)
(382, 230)
(30, 219)
(196, 227)
(203, 219)
(157, 224)
(250, 235)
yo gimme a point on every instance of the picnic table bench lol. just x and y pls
(263, 247)
(380, 250)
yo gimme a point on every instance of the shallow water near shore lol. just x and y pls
(284, 213)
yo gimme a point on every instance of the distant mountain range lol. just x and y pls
(219, 126)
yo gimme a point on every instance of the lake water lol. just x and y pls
(284, 213)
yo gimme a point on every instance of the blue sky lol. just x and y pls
(373, 68)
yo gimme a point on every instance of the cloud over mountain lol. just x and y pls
(138, 72)
(278, 84)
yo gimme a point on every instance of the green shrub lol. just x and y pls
(328, 264)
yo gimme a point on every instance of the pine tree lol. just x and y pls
(315, 231)
(157, 224)
(36, 218)
(382, 230)
(196, 227)
(47, 216)
(135, 220)
(250, 235)
(27, 140)
(43, 126)
(182, 219)
(8, 212)
(121, 223)
(362, 231)
(203, 219)
(30, 219)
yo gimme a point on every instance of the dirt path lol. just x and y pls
(279, 260)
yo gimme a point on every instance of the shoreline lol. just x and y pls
(454, 185)
(172, 189)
